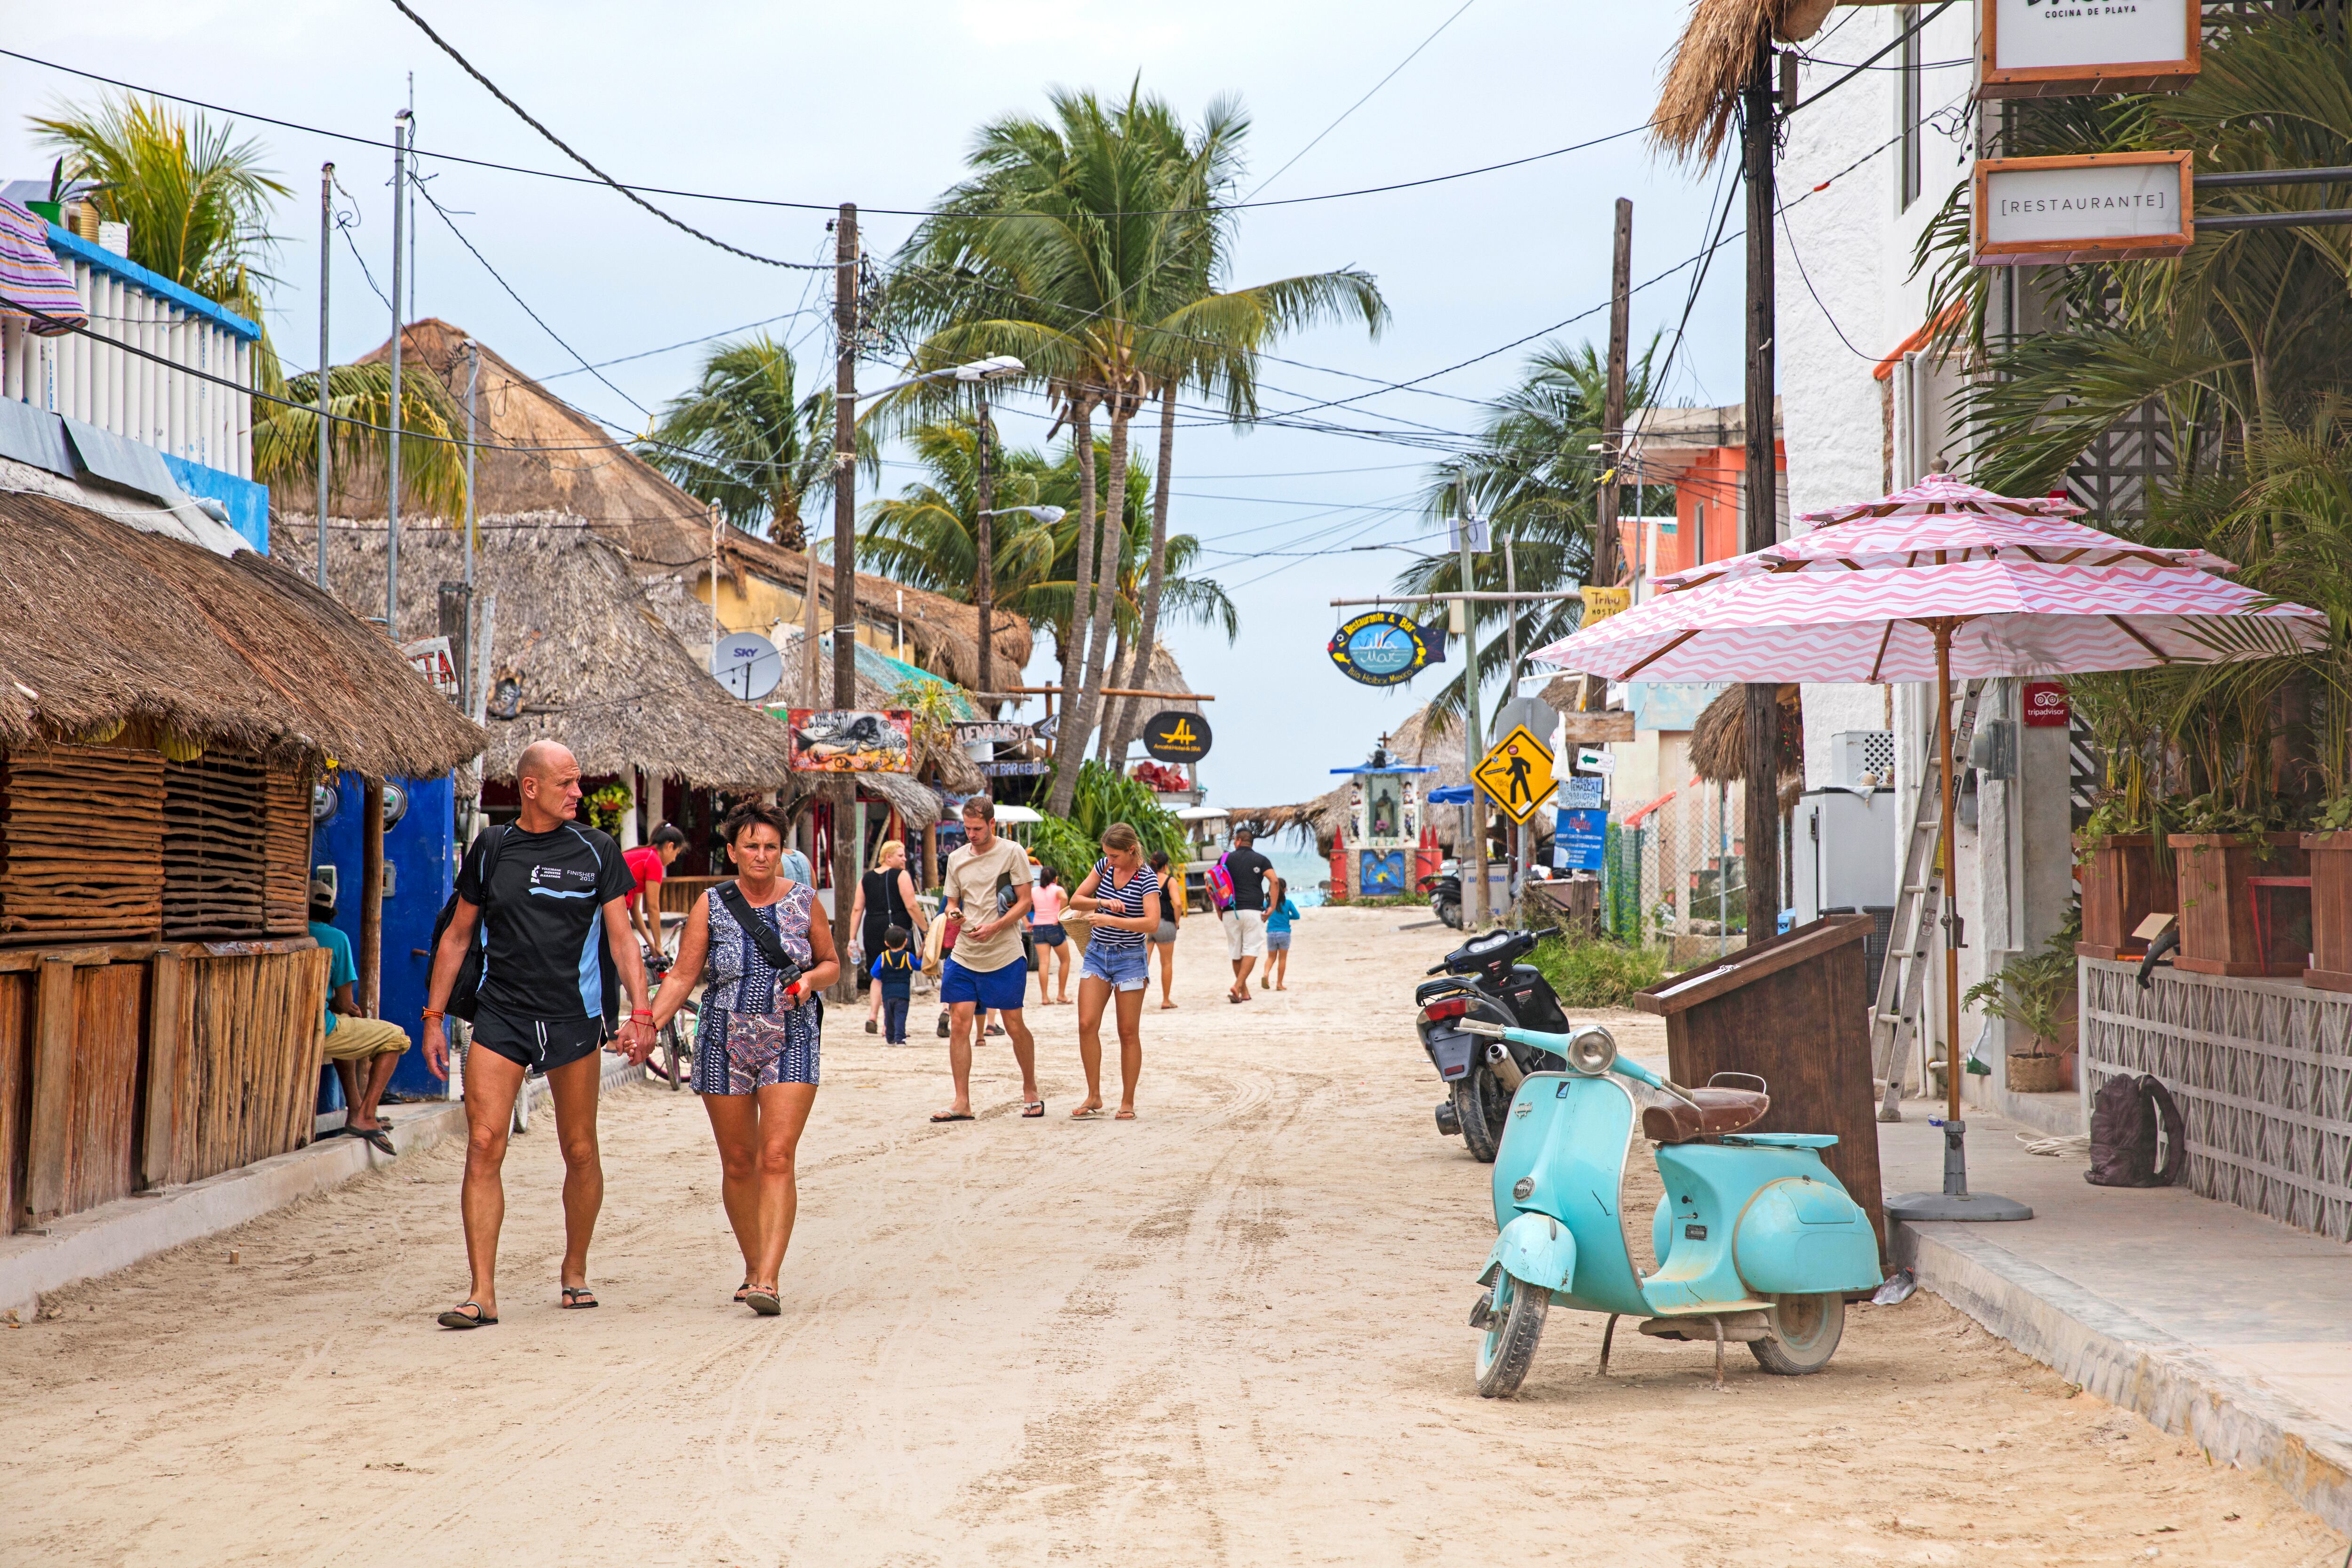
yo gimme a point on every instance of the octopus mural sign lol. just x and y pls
(852, 740)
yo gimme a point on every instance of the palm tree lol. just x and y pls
(359, 402)
(1533, 475)
(741, 439)
(1073, 247)
(196, 199)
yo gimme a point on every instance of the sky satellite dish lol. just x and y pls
(747, 664)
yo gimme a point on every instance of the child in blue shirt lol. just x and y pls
(894, 971)
(1280, 912)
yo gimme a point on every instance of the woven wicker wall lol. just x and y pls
(81, 845)
(214, 828)
(286, 850)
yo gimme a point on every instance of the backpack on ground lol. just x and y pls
(2127, 1117)
(466, 990)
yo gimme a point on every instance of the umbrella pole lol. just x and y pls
(1955, 1202)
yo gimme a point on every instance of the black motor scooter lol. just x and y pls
(1445, 890)
(1484, 979)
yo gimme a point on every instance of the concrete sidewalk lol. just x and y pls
(2212, 1322)
(118, 1235)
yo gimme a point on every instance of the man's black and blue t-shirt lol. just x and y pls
(542, 915)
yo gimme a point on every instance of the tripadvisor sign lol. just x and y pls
(1382, 648)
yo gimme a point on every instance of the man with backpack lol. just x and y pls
(540, 922)
(1241, 891)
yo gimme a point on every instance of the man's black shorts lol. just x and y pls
(542, 1045)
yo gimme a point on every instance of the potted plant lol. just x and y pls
(2328, 844)
(2033, 990)
(2220, 848)
(2126, 873)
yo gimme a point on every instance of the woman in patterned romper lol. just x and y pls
(755, 1060)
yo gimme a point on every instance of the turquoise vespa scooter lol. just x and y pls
(1755, 1241)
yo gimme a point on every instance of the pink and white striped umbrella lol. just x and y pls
(2001, 616)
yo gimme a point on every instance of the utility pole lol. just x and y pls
(1607, 548)
(985, 579)
(391, 485)
(1762, 816)
(1520, 832)
(1473, 815)
(844, 565)
(467, 673)
(325, 255)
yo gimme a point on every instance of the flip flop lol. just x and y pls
(1085, 1113)
(742, 1290)
(1031, 1108)
(1124, 1116)
(951, 1116)
(762, 1300)
(572, 1295)
(375, 1137)
(456, 1318)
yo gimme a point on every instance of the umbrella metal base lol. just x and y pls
(1955, 1202)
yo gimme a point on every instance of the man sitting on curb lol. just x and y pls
(364, 1050)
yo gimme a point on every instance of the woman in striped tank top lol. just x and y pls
(1122, 893)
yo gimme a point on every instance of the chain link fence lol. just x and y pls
(1674, 876)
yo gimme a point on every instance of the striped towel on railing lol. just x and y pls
(30, 278)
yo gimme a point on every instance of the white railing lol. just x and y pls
(85, 377)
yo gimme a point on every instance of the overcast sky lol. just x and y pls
(877, 104)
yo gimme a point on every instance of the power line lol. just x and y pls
(1361, 102)
(561, 146)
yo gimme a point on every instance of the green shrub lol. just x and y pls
(1588, 974)
(1071, 844)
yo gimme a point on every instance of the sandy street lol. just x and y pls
(1232, 1332)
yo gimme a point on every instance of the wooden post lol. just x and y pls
(1606, 548)
(845, 573)
(48, 1133)
(369, 959)
(985, 562)
(1761, 815)
(166, 1071)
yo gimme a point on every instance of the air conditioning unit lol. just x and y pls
(1862, 759)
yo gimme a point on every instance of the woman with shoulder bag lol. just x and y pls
(762, 950)
(885, 898)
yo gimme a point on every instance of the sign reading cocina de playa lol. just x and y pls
(2034, 211)
(2049, 48)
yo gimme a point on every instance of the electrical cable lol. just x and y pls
(561, 146)
(1361, 102)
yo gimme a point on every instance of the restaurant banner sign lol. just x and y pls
(2114, 206)
(2052, 48)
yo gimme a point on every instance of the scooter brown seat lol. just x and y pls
(1718, 1112)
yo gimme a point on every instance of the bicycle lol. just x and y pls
(674, 1045)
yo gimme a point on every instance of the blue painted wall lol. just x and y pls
(248, 503)
(420, 850)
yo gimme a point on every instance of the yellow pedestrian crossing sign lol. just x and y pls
(1517, 773)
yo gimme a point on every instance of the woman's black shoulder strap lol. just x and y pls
(763, 936)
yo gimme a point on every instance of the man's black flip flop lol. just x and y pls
(376, 1137)
(952, 1116)
(456, 1317)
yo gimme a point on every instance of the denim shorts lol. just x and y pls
(1049, 935)
(1122, 966)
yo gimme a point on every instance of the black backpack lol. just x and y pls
(2125, 1118)
(465, 990)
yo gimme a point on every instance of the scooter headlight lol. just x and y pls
(1591, 1050)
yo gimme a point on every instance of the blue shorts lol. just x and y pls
(1277, 941)
(1003, 989)
(1049, 936)
(1122, 966)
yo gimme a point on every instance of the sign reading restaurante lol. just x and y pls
(2034, 211)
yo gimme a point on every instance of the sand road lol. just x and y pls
(1230, 1332)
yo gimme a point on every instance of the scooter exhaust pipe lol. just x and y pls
(1506, 1065)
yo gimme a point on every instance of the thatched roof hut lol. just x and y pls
(1698, 106)
(558, 459)
(592, 664)
(104, 626)
(1718, 743)
(1415, 742)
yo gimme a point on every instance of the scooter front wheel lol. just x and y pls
(1805, 1334)
(1514, 1322)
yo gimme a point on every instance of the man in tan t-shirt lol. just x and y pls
(988, 968)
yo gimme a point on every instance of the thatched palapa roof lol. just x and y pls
(1700, 105)
(595, 667)
(102, 627)
(558, 459)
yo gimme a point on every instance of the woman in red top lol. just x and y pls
(648, 864)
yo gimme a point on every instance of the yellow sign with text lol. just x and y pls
(1517, 774)
(1599, 603)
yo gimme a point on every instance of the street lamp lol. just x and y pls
(1048, 515)
(993, 368)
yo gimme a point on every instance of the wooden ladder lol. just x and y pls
(1910, 938)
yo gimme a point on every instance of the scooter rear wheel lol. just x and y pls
(1482, 1106)
(1449, 914)
(1805, 1334)
(1514, 1322)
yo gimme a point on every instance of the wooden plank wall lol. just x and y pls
(81, 845)
(285, 849)
(248, 1060)
(215, 867)
(16, 1086)
(109, 1026)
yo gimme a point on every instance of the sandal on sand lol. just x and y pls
(458, 1317)
(374, 1137)
(1033, 1108)
(1085, 1113)
(742, 1290)
(951, 1116)
(762, 1299)
(1124, 1116)
(578, 1297)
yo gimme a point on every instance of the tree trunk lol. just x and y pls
(1110, 535)
(1069, 743)
(1116, 680)
(1132, 712)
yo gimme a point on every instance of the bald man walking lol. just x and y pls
(551, 898)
